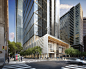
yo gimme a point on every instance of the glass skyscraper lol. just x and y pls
(71, 27)
(53, 17)
(39, 18)
(84, 33)
(19, 21)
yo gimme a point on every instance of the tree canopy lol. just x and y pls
(14, 47)
(74, 52)
(33, 50)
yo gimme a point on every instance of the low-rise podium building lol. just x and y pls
(51, 46)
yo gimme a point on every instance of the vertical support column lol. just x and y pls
(34, 40)
(55, 54)
(54, 50)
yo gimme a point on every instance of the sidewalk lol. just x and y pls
(25, 61)
(31, 60)
(13, 62)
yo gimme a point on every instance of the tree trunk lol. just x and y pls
(34, 55)
(14, 54)
(15, 51)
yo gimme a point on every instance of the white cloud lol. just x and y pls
(65, 6)
(12, 35)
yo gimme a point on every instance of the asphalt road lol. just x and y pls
(1, 67)
(44, 65)
(48, 64)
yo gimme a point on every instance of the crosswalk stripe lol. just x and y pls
(74, 67)
(18, 66)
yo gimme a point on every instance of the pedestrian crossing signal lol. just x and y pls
(2, 47)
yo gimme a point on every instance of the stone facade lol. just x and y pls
(3, 27)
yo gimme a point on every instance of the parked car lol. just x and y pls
(76, 61)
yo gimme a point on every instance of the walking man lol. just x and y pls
(8, 59)
(21, 58)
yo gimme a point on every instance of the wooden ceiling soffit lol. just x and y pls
(57, 41)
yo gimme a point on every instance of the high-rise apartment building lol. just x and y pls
(4, 28)
(84, 33)
(39, 18)
(19, 21)
(71, 27)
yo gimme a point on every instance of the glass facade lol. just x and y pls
(36, 19)
(77, 15)
(19, 21)
(64, 28)
(84, 33)
(84, 26)
(53, 17)
(71, 26)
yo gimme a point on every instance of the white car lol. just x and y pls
(76, 61)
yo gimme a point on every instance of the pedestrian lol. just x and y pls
(21, 58)
(83, 57)
(8, 59)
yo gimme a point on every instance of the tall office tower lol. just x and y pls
(71, 27)
(4, 28)
(84, 33)
(19, 21)
(54, 17)
(84, 26)
(39, 18)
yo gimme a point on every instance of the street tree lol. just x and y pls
(37, 50)
(14, 47)
(19, 47)
(70, 51)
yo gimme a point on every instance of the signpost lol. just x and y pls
(3, 48)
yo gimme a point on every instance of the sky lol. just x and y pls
(65, 5)
(11, 19)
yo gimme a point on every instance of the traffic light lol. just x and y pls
(2, 47)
